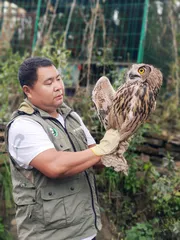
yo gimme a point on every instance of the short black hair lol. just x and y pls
(27, 73)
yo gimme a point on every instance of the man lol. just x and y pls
(51, 159)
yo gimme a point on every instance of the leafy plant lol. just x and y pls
(145, 195)
(6, 190)
(4, 234)
(6, 185)
(164, 198)
(9, 85)
(141, 231)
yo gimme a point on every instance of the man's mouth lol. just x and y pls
(60, 94)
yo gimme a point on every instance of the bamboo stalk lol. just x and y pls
(68, 22)
(52, 19)
(173, 24)
(91, 41)
(43, 25)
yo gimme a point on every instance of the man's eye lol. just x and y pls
(59, 79)
(49, 83)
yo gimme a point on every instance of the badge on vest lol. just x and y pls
(54, 131)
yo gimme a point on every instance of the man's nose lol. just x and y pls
(58, 85)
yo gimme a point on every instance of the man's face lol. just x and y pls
(48, 91)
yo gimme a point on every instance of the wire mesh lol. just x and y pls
(110, 28)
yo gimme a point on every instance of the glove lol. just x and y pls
(108, 143)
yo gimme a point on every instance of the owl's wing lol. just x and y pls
(102, 96)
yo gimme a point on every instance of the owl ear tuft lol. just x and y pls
(149, 67)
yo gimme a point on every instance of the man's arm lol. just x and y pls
(54, 164)
(30, 146)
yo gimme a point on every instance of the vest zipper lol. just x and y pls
(91, 191)
(92, 198)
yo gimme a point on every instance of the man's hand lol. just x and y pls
(108, 144)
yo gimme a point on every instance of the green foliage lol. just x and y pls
(6, 191)
(164, 196)
(9, 85)
(118, 77)
(132, 184)
(167, 114)
(145, 204)
(141, 231)
(4, 234)
(6, 185)
(110, 179)
(167, 229)
(175, 229)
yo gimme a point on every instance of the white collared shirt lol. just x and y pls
(89, 238)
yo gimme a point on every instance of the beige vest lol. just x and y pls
(55, 209)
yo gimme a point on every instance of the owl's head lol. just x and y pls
(144, 73)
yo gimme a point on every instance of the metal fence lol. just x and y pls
(117, 27)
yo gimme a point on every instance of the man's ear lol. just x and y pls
(27, 91)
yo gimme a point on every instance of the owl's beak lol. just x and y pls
(133, 76)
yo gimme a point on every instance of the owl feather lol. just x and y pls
(127, 108)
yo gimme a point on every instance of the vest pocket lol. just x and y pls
(54, 213)
(62, 205)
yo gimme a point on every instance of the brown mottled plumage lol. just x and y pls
(127, 108)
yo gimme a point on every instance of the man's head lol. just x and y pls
(42, 84)
(28, 70)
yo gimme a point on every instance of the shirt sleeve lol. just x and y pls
(90, 139)
(26, 140)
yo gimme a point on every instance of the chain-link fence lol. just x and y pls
(91, 29)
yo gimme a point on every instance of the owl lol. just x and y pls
(127, 108)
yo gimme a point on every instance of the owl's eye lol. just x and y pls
(141, 70)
